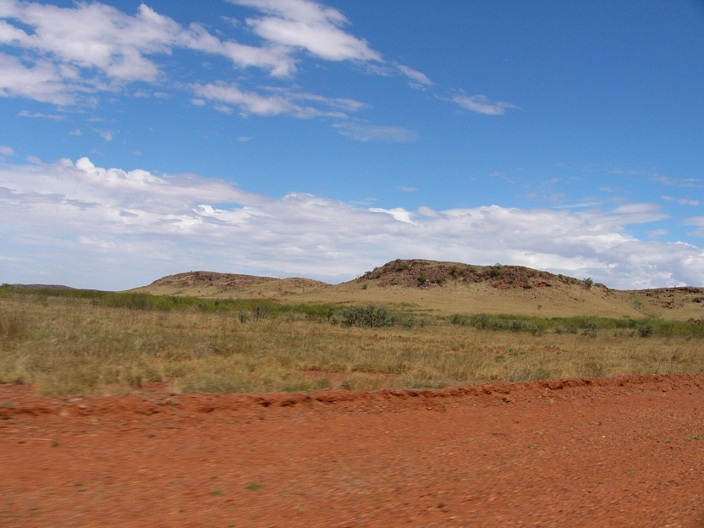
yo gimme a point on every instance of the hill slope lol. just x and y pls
(228, 285)
(450, 287)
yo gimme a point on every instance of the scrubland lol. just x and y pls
(83, 342)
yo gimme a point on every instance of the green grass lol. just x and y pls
(581, 324)
(86, 342)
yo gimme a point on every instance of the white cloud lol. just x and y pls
(42, 82)
(308, 25)
(249, 102)
(678, 182)
(365, 132)
(95, 47)
(638, 213)
(340, 103)
(657, 233)
(75, 55)
(697, 221)
(94, 36)
(6, 151)
(276, 103)
(107, 135)
(417, 79)
(69, 54)
(40, 115)
(683, 201)
(276, 59)
(88, 226)
(397, 214)
(482, 104)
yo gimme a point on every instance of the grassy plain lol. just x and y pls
(80, 342)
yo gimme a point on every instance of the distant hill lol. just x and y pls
(213, 284)
(448, 288)
(43, 286)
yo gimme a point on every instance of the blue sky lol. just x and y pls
(322, 139)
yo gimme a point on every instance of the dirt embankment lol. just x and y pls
(621, 452)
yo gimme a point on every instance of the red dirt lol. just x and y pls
(597, 453)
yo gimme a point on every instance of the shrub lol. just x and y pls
(480, 321)
(370, 315)
(645, 329)
(496, 270)
(590, 327)
(459, 320)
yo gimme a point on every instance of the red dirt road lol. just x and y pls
(597, 453)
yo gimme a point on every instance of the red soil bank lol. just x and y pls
(596, 453)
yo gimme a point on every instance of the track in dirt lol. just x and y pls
(618, 452)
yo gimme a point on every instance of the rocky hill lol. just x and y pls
(428, 274)
(448, 288)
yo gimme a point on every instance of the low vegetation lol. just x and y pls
(72, 342)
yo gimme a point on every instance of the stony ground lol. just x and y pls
(596, 453)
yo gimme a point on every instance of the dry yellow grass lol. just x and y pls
(78, 346)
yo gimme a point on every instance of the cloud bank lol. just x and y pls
(75, 223)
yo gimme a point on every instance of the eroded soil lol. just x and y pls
(602, 453)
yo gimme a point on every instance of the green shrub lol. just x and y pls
(480, 321)
(496, 270)
(645, 329)
(459, 320)
(368, 316)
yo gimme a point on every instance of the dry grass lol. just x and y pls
(70, 346)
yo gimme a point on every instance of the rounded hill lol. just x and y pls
(428, 273)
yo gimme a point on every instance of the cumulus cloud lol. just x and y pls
(89, 226)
